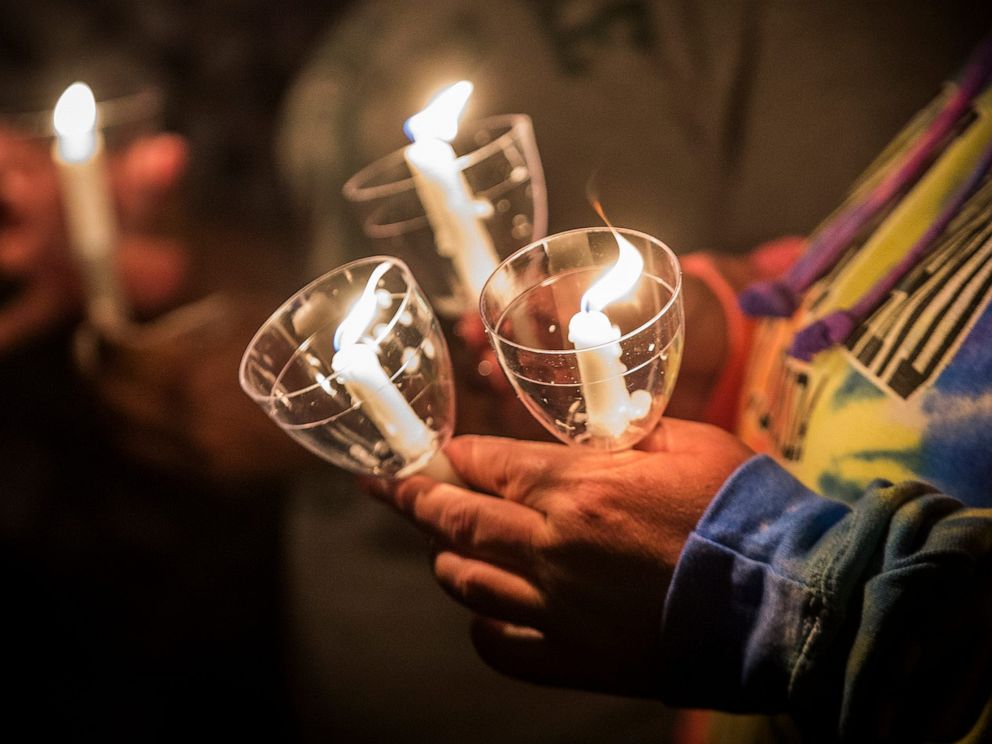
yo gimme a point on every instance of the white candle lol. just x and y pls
(601, 373)
(455, 215)
(87, 202)
(357, 365)
(609, 409)
(368, 384)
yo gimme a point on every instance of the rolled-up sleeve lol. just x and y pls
(871, 621)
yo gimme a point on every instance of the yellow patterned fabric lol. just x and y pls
(909, 397)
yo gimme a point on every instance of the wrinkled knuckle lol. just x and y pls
(458, 523)
(504, 477)
(405, 497)
(542, 547)
(552, 478)
(585, 510)
(468, 585)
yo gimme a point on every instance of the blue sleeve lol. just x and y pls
(871, 621)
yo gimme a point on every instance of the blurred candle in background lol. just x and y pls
(454, 213)
(87, 199)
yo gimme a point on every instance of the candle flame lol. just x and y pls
(439, 119)
(75, 112)
(620, 278)
(361, 313)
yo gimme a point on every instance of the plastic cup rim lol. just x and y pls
(353, 192)
(676, 290)
(111, 112)
(284, 308)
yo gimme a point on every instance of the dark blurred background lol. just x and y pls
(222, 66)
(142, 603)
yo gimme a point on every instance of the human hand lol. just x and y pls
(568, 568)
(34, 255)
(170, 393)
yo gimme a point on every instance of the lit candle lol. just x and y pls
(356, 363)
(455, 215)
(87, 202)
(609, 409)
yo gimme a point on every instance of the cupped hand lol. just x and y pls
(568, 566)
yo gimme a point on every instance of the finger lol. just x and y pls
(493, 372)
(378, 488)
(141, 405)
(152, 165)
(472, 331)
(148, 170)
(29, 196)
(524, 653)
(505, 467)
(153, 270)
(481, 526)
(489, 590)
(32, 312)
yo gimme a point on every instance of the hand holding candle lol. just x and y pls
(42, 279)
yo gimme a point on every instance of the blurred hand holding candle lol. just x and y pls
(454, 213)
(609, 407)
(87, 202)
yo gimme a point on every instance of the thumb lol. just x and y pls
(527, 654)
(681, 437)
(148, 170)
(153, 270)
(522, 653)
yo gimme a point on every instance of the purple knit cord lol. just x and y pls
(773, 299)
(780, 298)
(837, 327)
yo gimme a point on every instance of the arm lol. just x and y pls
(872, 620)
(578, 549)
